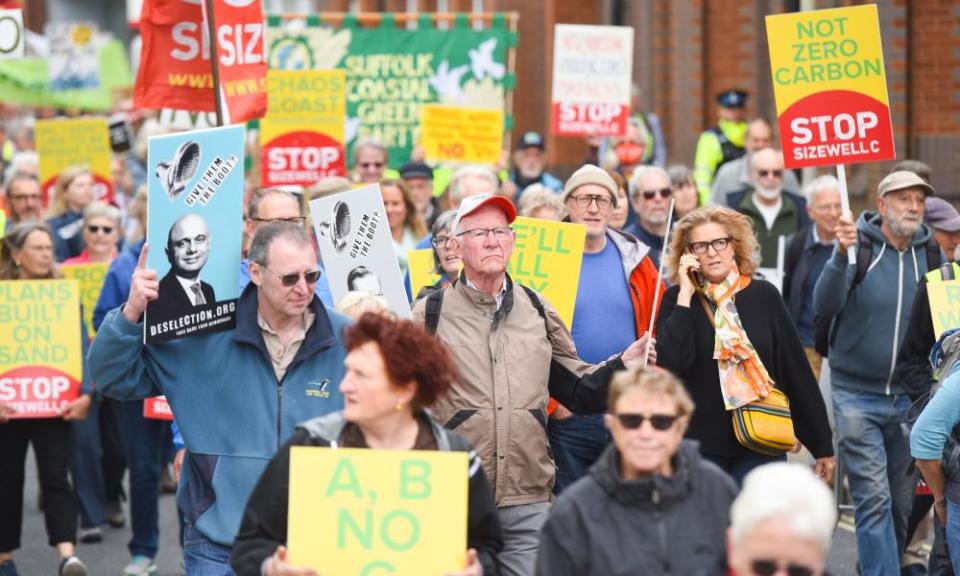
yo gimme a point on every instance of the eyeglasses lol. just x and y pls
(25, 197)
(291, 279)
(658, 421)
(718, 245)
(371, 164)
(663, 192)
(770, 567)
(441, 241)
(584, 200)
(774, 173)
(93, 229)
(499, 233)
(290, 220)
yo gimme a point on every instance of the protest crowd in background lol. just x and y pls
(638, 364)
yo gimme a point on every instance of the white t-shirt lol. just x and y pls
(769, 213)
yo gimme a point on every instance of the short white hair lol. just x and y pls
(788, 491)
(819, 184)
(642, 172)
(537, 196)
(455, 191)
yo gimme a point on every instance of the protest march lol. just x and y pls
(317, 287)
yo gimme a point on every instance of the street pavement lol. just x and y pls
(109, 557)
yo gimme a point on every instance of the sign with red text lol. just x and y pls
(302, 135)
(454, 134)
(175, 69)
(592, 70)
(830, 86)
(41, 364)
(157, 408)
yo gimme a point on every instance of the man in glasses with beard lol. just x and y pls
(237, 394)
(774, 211)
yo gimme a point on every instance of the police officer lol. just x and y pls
(721, 143)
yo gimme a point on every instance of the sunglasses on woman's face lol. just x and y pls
(658, 421)
(93, 229)
(770, 567)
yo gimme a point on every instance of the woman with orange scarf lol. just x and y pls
(729, 337)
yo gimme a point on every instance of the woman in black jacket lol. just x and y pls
(394, 370)
(753, 348)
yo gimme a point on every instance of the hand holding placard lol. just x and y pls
(144, 288)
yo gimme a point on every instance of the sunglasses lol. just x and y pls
(371, 165)
(774, 173)
(663, 192)
(658, 421)
(97, 229)
(290, 280)
(770, 567)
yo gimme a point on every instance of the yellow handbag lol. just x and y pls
(765, 425)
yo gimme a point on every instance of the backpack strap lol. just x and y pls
(535, 300)
(948, 271)
(434, 305)
(933, 254)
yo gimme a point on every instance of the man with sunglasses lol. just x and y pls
(618, 282)
(370, 161)
(650, 194)
(513, 350)
(237, 394)
(774, 211)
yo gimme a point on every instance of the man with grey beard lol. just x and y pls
(870, 317)
(774, 211)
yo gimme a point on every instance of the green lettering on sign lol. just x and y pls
(394, 541)
(363, 535)
(414, 480)
(349, 482)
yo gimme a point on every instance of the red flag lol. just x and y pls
(175, 70)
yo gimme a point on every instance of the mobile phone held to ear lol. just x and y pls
(697, 278)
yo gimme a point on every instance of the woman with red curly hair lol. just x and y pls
(394, 370)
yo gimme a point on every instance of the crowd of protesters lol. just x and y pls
(605, 447)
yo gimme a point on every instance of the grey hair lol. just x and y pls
(267, 234)
(98, 209)
(537, 196)
(19, 176)
(680, 174)
(443, 222)
(369, 142)
(819, 184)
(253, 208)
(470, 171)
(790, 492)
(25, 157)
(642, 171)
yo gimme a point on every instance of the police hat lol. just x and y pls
(531, 140)
(732, 99)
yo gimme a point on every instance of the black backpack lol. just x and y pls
(825, 327)
(944, 360)
(435, 304)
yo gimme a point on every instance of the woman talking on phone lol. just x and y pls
(729, 337)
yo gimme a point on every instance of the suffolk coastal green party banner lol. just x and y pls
(391, 72)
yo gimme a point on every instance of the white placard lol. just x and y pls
(13, 38)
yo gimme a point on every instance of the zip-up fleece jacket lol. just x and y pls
(233, 413)
(656, 526)
(875, 316)
(511, 359)
(264, 524)
(641, 275)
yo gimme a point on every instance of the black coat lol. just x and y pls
(264, 523)
(685, 340)
(603, 525)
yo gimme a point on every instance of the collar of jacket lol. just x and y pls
(482, 299)
(655, 490)
(329, 428)
(319, 337)
(632, 250)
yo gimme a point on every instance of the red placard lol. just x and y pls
(175, 70)
(301, 159)
(600, 119)
(157, 408)
(37, 391)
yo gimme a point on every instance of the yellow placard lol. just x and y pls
(355, 511)
(452, 134)
(421, 267)
(944, 305)
(40, 349)
(90, 278)
(826, 50)
(302, 134)
(74, 142)
(546, 257)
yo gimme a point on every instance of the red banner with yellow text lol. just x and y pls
(175, 69)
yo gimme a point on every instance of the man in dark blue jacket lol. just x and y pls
(237, 394)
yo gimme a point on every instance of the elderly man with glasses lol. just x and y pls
(237, 394)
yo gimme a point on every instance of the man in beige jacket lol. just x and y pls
(513, 352)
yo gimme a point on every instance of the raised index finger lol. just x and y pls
(142, 261)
